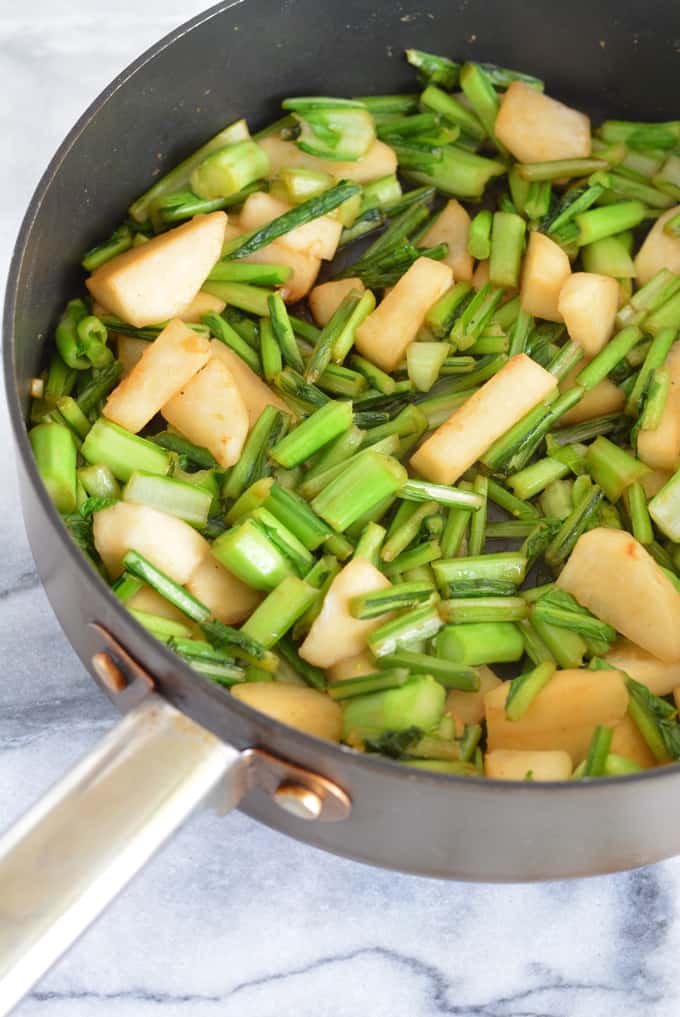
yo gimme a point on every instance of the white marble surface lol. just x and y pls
(232, 919)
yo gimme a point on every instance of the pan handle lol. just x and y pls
(75, 850)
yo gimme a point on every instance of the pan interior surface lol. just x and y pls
(240, 60)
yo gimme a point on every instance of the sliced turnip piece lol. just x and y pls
(612, 575)
(536, 128)
(169, 543)
(546, 269)
(501, 401)
(167, 363)
(155, 281)
(385, 334)
(335, 633)
(588, 304)
(563, 716)
(210, 412)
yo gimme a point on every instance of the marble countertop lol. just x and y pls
(233, 919)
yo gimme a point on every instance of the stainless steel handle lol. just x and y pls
(75, 850)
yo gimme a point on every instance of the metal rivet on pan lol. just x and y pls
(109, 675)
(299, 801)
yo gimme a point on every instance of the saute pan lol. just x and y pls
(183, 740)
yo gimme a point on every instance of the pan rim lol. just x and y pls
(334, 751)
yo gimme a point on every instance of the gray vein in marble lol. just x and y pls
(436, 988)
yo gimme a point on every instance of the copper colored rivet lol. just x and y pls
(109, 675)
(299, 801)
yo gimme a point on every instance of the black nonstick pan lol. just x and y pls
(182, 739)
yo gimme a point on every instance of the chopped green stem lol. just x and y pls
(303, 397)
(137, 565)
(506, 565)
(376, 378)
(312, 676)
(507, 244)
(519, 335)
(284, 540)
(450, 676)
(420, 623)
(482, 97)
(325, 343)
(514, 449)
(537, 204)
(73, 415)
(252, 464)
(283, 332)
(317, 430)
(559, 609)
(126, 586)
(415, 557)
(370, 544)
(560, 169)
(279, 611)
(513, 504)
(298, 216)
(607, 359)
(337, 451)
(525, 688)
(365, 684)
(655, 400)
(441, 316)
(422, 490)
(462, 610)
(612, 467)
(455, 528)
(535, 478)
(175, 497)
(396, 598)
(478, 643)
(197, 455)
(609, 256)
(510, 529)
(479, 236)
(123, 452)
(607, 220)
(477, 535)
(418, 704)
(568, 357)
(55, 455)
(648, 715)
(664, 508)
(452, 110)
(619, 766)
(256, 275)
(119, 241)
(365, 482)
(163, 629)
(476, 316)
(294, 512)
(636, 503)
(452, 169)
(270, 351)
(656, 355)
(99, 481)
(343, 339)
(573, 526)
(608, 424)
(223, 331)
(250, 553)
(534, 647)
(432, 69)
